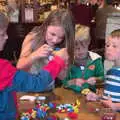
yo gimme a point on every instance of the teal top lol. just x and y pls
(94, 68)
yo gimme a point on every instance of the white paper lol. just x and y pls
(28, 97)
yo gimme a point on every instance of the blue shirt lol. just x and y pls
(112, 84)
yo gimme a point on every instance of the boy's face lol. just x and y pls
(3, 37)
(112, 48)
(81, 50)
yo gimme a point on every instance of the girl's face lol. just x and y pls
(81, 51)
(3, 38)
(112, 48)
(54, 35)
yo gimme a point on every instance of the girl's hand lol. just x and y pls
(42, 52)
(91, 96)
(91, 80)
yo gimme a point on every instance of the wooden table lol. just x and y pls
(61, 95)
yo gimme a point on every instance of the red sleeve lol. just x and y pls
(54, 67)
(7, 72)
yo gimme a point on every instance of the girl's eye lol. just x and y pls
(52, 34)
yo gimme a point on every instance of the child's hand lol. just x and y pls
(91, 96)
(62, 75)
(76, 81)
(91, 80)
(71, 82)
(42, 52)
(79, 81)
(109, 104)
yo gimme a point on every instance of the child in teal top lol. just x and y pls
(87, 67)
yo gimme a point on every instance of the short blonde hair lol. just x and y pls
(82, 33)
(115, 33)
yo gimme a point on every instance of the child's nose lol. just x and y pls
(54, 39)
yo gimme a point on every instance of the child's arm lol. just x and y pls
(23, 81)
(91, 96)
(26, 82)
(25, 62)
(109, 103)
(7, 72)
(28, 56)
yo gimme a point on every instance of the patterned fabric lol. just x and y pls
(112, 84)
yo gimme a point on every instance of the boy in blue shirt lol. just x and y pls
(111, 92)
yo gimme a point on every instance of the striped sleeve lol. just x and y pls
(112, 84)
